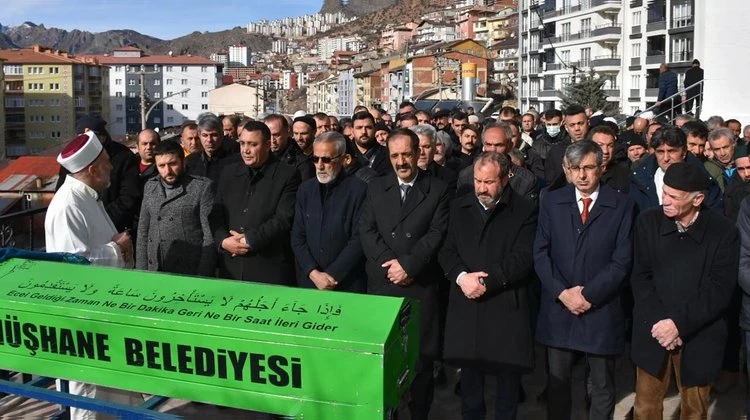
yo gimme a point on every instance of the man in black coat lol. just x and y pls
(122, 200)
(426, 162)
(215, 155)
(685, 270)
(254, 212)
(738, 189)
(363, 130)
(577, 127)
(488, 260)
(147, 141)
(497, 138)
(694, 90)
(325, 234)
(285, 148)
(404, 221)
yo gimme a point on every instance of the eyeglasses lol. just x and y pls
(325, 159)
(589, 168)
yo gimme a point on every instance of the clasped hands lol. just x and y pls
(666, 333)
(396, 274)
(235, 244)
(125, 243)
(322, 280)
(472, 284)
(573, 299)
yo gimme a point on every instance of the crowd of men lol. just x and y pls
(559, 229)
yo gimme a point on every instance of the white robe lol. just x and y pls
(77, 222)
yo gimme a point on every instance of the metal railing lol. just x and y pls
(679, 95)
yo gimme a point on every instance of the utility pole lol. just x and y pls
(142, 80)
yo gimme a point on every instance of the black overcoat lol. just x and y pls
(494, 331)
(412, 233)
(260, 206)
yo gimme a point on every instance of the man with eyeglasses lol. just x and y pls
(325, 234)
(582, 255)
(255, 211)
(122, 199)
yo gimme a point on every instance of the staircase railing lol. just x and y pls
(679, 94)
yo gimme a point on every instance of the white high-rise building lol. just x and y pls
(623, 41)
(239, 56)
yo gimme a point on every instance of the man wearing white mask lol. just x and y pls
(77, 222)
(325, 233)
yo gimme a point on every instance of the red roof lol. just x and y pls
(42, 166)
(227, 79)
(127, 48)
(38, 55)
(156, 59)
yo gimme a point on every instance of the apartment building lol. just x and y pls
(176, 85)
(45, 92)
(622, 41)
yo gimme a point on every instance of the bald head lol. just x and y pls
(639, 125)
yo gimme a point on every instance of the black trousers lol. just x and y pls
(422, 390)
(698, 98)
(601, 380)
(472, 394)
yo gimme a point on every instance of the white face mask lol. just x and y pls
(553, 130)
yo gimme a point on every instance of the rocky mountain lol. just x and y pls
(84, 42)
(355, 7)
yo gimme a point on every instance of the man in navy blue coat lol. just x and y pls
(582, 255)
(325, 233)
(667, 88)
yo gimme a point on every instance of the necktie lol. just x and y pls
(404, 190)
(585, 212)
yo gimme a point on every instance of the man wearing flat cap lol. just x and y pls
(685, 270)
(122, 197)
(77, 222)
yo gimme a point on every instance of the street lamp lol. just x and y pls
(145, 112)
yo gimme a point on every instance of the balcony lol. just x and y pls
(611, 29)
(606, 61)
(554, 66)
(652, 92)
(551, 93)
(634, 93)
(635, 61)
(636, 3)
(655, 59)
(636, 29)
(612, 92)
(681, 22)
(681, 56)
(657, 25)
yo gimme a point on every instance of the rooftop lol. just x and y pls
(37, 54)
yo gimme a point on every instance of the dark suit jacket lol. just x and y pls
(667, 85)
(444, 174)
(412, 233)
(499, 244)
(377, 159)
(261, 207)
(325, 234)
(175, 234)
(199, 164)
(597, 256)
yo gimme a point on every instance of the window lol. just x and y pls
(118, 81)
(13, 69)
(54, 118)
(204, 69)
(36, 70)
(54, 86)
(36, 134)
(183, 94)
(585, 56)
(636, 50)
(682, 15)
(128, 69)
(14, 102)
(131, 95)
(118, 94)
(183, 69)
(169, 81)
(586, 27)
(204, 106)
(635, 81)
(183, 82)
(131, 82)
(156, 67)
(184, 107)
(169, 93)
(170, 106)
(565, 55)
(169, 68)
(564, 82)
(54, 134)
(118, 107)
(204, 94)
(157, 120)
(637, 18)
(54, 70)
(36, 118)
(170, 119)
(118, 68)
(682, 49)
(565, 31)
(157, 95)
(54, 102)
(39, 86)
(157, 82)
(204, 82)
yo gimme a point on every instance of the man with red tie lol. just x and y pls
(582, 255)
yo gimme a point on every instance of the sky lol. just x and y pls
(165, 19)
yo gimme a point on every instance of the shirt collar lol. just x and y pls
(594, 195)
(80, 186)
(410, 184)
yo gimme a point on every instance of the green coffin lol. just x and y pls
(297, 352)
